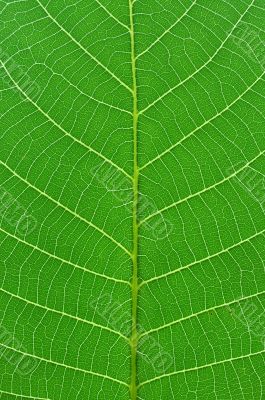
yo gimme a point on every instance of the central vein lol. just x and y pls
(134, 332)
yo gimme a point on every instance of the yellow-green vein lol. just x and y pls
(134, 333)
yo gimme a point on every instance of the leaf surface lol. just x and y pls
(132, 199)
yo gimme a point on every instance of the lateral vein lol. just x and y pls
(214, 308)
(83, 48)
(63, 314)
(205, 190)
(211, 365)
(62, 260)
(61, 128)
(223, 251)
(202, 67)
(84, 371)
(103, 233)
(205, 123)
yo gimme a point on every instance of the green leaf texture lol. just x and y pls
(132, 199)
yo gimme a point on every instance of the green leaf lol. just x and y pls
(132, 199)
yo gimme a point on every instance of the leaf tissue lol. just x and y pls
(132, 198)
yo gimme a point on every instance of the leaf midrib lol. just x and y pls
(135, 283)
